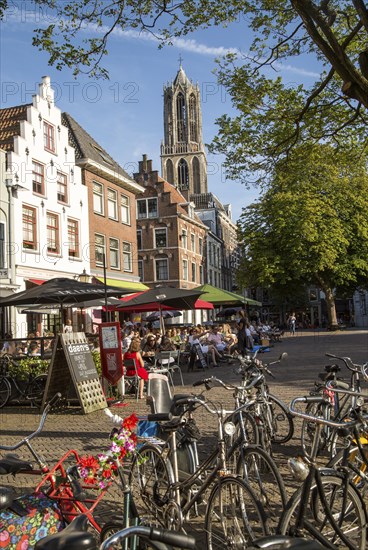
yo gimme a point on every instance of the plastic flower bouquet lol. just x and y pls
(101, 470)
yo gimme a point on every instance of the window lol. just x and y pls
(192, 242)
(161, 238)
(200, 246)
(49, 137)
(2, 245)
(193, 118)
(73, 238)
(184, 238)
(125, 209)
(140, 270)
(147, 208)
(196, 176)
(98, 198)
(62, 187)
(170, 171)
(52, 233)
(139, 239)
(29, 228)
(162, 269)
(99, 249)
(193, 272)
(185, 270)
(127, 256)
(114, 253)
(183, 175)
(201, 275)
(181, 117)
(38, 178)
(112, 204)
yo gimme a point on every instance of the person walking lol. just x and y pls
(292, 323)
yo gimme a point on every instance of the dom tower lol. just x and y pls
(183, 159)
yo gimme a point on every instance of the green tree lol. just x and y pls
(310, 226)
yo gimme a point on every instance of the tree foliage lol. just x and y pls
(310, 226)
(273, 117)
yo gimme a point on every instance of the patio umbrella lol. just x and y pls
(167, 314)
(218, 297)
(177, 298)
(228, 312)
(61, 291)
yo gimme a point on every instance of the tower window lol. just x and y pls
(181, 117)
(196, 176)
(193, 118)
(170, 171)
(183, 175)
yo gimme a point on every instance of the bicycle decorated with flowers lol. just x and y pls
(75, 485)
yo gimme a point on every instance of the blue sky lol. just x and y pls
(125, 114)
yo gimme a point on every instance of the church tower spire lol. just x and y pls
(183, 158)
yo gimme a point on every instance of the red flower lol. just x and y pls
(89, 462)
(130, 422)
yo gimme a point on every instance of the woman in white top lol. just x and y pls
(194, 338)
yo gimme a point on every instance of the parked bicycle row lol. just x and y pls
(235, 494)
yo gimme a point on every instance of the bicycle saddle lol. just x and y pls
(12, 464)
(6, 497)
(74, 537)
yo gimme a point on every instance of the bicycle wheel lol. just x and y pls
(358, 467)
(36, 389)
(150, 479)
(234, 517)
(345, 505)
(308, 428)
(282, 421)
(259, 470)
(5, 391)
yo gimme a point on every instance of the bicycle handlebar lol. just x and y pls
(330, 386)
(318, 419)
(179, 540)
(354, 367)
(46, 411)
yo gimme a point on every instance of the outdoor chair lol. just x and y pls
(170, 360)
(133, 380)
(162, 363)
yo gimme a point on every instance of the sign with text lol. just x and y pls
(111, 352)
(73, 373)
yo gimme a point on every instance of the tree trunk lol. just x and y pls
(331, 309)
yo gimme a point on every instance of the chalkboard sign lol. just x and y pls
(72, 368)
(200, 356)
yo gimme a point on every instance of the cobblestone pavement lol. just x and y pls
(89, 433)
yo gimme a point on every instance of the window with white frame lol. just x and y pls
(73, 238)
(29, 223)
(114, 253)
(161, 269)
(127, 256)
(2, 246)
(62, 187)
(38, 178)
(192, 242)
(147, 208)
(140, 270)
(112, 204)
(201, 275)
(100, 249)
(49, 137)
(160, 237)
(200, 246)
(98, 198)
(193, 272)
(139, 239)
(185, 270)
(125, 209)
(52, 233)
(184, 238)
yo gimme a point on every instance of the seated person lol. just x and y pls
(34, 349)
(166, 345)
(215, 338)
(194, 338)
(134, 353)
(9, 346)
(149, 349)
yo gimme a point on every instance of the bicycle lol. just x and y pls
(11, 388)
(233, 514)
(327, 507)
(273, 421)
(76, 536)
(332, 407)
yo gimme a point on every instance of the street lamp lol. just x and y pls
(84, 277)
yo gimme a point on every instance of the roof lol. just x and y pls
(181, 77)
(10, 120)
(207, 200)
(88, 148)
(218, 296)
